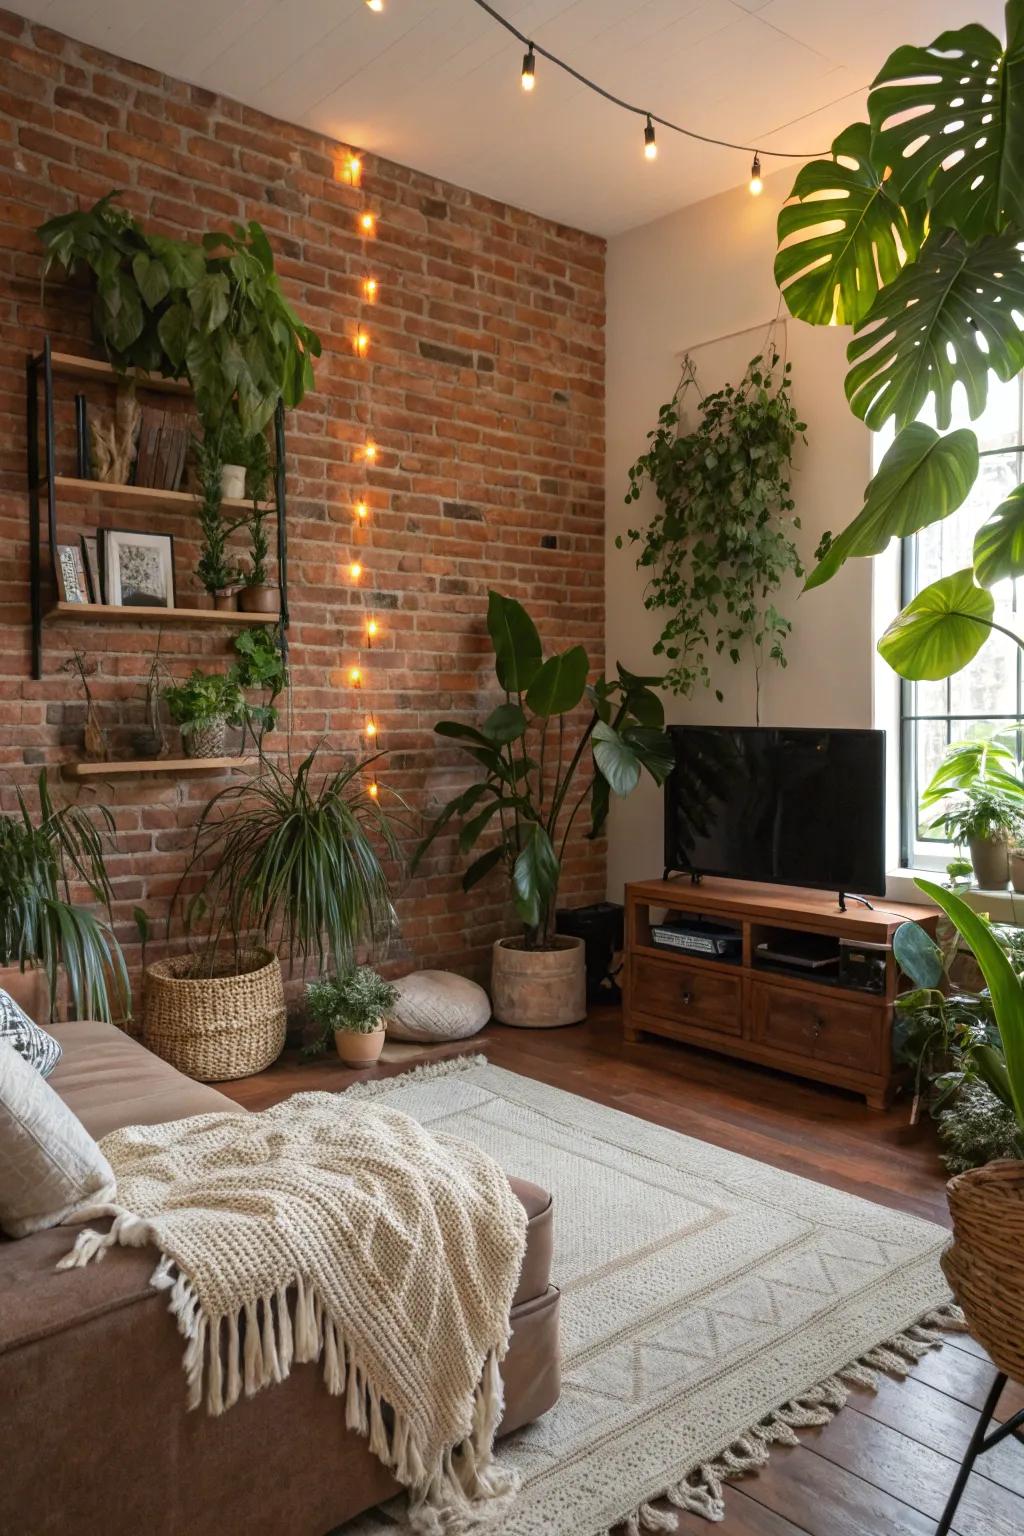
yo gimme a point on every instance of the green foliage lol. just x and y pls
(260, 665)
(976, 1127)
(917, 955)
(205, 696)
(982, 812)
(293, 855)
(40, 856)
(718, 546)
(213, 569)
(966, 764)
(356, 1000)
(527, 793)
(212, 313)
(945, 154)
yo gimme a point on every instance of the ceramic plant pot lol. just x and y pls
(232, 482)
(206, 740)
(224, 602)
(259, 599)
(991, 859)
(359, 1050)
(539, 988)
(1017, 868)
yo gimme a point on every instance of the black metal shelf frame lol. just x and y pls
(42, 472)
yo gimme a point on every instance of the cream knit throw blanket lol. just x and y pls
(349, 1234)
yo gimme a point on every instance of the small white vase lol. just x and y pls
(232, 482)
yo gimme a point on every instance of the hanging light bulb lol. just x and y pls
(362, 510)
(355, 677)
(355, 570)
(362, 343)
(650, 142)
(373, 789)
(368, 222)
(375, 5)
(371, 287)
(370, 452)
(756, 184)
(371, 728)
(354, 169)
(529, 68)
(372, 628)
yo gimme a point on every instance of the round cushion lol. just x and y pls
(437, 1005)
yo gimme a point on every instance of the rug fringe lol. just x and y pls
(451, 1066)
(702, 1491)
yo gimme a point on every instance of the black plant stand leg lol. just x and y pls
(976, 1446)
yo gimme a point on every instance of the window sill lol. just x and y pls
(1000, 906)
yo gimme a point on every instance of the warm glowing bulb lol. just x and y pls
(373, 790)
(354, 166)
(371, 728)
(756, 184)
(371, 288)
(372, 628)
(367, 222)
(375, 5)
(370, 452)
(355, 570)
(529, 68)
(650, 143)
(362, 511)
(362, 343)
(355, 677)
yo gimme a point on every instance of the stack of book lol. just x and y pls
(163, 449)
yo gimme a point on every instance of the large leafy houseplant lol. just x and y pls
(719, 544)
(911, 234)
(41, 856)
(527, 794)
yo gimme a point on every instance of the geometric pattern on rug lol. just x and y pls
(700, 1291)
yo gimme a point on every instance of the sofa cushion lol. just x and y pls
(39, 1049)
(111, 1080)
(49, 1164)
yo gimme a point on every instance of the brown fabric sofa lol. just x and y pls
(97, 1441)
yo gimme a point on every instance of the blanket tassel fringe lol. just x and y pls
(702, 1492)
(463, 1494)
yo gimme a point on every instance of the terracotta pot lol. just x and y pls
(991, 859)
(539, 988)
(30, 990)
(984, 1263)
(225, 602)
(359, 1050)
(1017, 868)
(232, 482)
(259, 599)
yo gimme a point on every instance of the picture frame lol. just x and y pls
(91, 557)
(137, 569)
(72, 582)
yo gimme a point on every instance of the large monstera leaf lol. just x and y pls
(949, 121)
(940, 630)
(841, 233)
(922, 479)
(946, 319)
(999, 543)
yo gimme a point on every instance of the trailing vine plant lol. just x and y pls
(719, 544)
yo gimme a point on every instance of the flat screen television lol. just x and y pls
(787, 806)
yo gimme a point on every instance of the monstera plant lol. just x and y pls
(910, 233)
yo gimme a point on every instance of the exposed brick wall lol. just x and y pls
(484, 388)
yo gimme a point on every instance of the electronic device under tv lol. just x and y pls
(783, 806)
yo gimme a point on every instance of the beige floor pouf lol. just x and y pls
(433, 1006)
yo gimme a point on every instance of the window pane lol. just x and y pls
(932, 740)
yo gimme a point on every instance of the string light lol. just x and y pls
(375, 5)
(355, 570)
(354, 169)
(371, 728)
(368, 222)
(362, 342)
(355, 677)
(650, 142)
(370, 451)
(756, 184)
(371, 287)
(373, 789)
(372, 628)
(529, 69)
(362, 511)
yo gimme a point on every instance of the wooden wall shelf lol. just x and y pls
(784, 1018)
(99, 372)
(146, 495)
(175, 765)
(112, 613)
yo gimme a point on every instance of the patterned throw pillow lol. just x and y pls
(39, 1049)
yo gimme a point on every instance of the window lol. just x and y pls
(988, 695)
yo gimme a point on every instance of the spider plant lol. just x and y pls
(293, 855)
(40, 857)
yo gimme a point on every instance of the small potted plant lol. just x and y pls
(988, 821)
(203, 707)
(217, 574)
(352, 1006)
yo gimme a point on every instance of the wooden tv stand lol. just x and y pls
(781, 1018)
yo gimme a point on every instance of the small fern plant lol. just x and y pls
(355, 1000)
(719, 545)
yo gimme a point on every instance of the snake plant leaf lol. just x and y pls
(842, 235)
(558, 686)
(999, 542)
(922, 479)
(615, 759)
(947, 319)
(940, 630)
(535, 876)
(517, 647)
(949, 121)
(917, 955)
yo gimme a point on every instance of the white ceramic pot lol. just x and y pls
(232, 482)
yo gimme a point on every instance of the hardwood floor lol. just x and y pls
(885, 1465)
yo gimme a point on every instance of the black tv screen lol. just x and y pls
(793, 807)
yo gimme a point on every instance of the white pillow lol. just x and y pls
(50, 1167)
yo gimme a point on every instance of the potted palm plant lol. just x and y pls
(352, 1007)
(41, 928)
(536, 780)
(988, 821)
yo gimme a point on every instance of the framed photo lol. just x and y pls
(137, 568)
(72, 585)
(91, 557)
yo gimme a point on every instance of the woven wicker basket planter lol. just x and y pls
(213, 1028)
(984, 1263)
(209, 740)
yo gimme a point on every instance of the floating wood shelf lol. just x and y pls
(147, 495)
(112, 613)
(175, 765)
(103, 373)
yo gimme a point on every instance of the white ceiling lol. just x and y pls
(434, 84)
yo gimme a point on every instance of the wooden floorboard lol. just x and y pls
(886, 1463)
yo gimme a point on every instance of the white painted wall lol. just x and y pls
(678, 285)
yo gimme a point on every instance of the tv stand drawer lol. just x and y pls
(687, 994)
(826, 1029)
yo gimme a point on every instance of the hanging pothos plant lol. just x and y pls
(719, 544)
(913, 234)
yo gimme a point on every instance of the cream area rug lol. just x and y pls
(711, 1304)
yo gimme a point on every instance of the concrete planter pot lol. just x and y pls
(991, 859)
(357, 1049)
(539, 988)
(232, 482)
